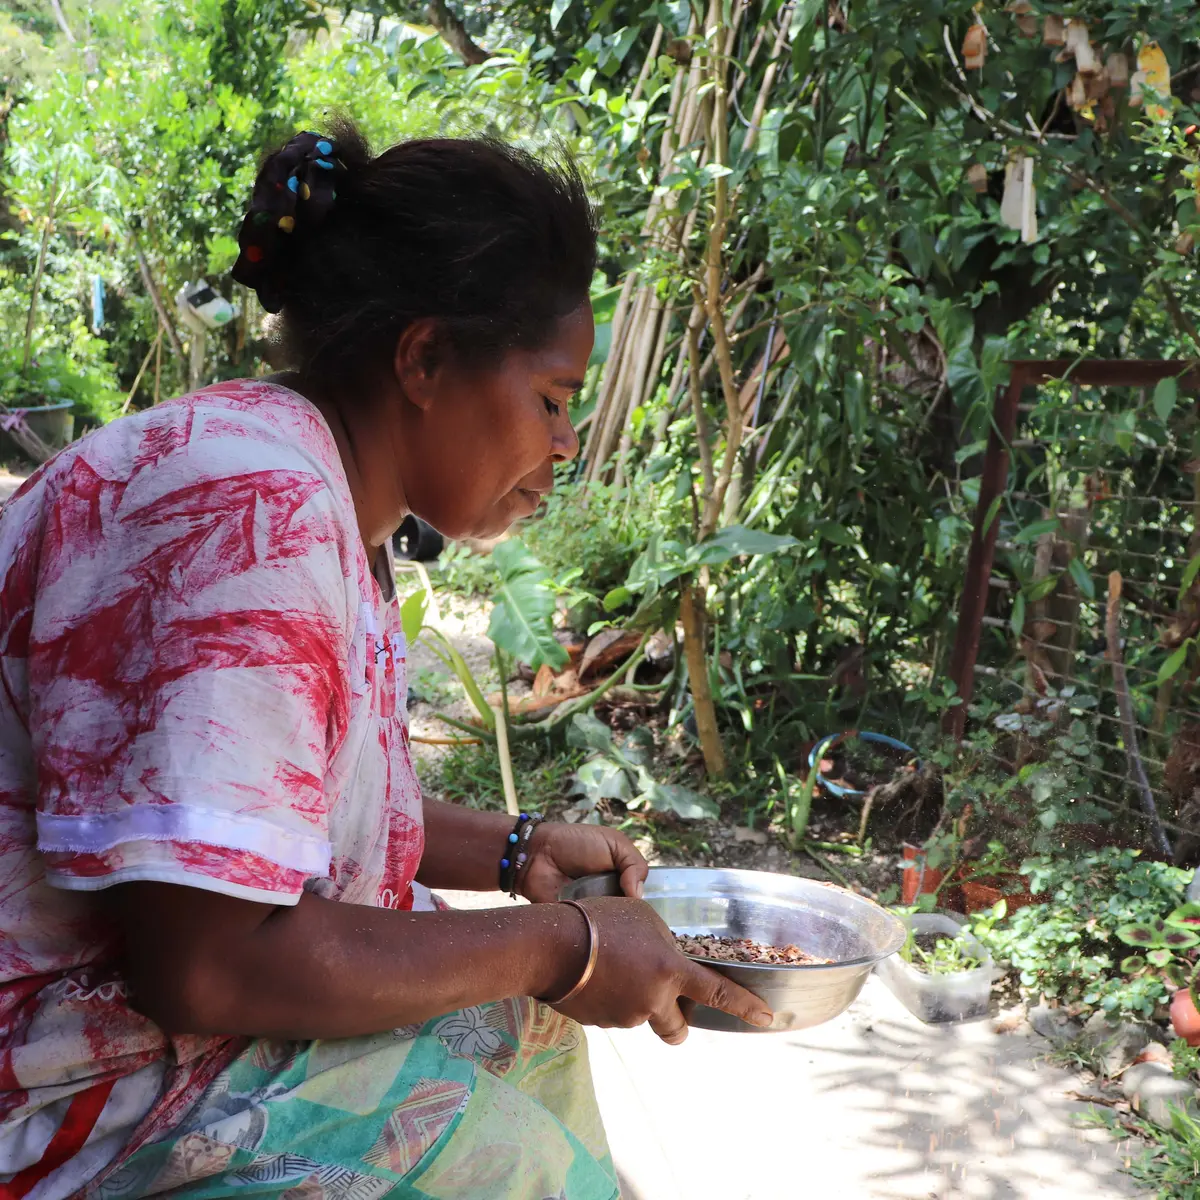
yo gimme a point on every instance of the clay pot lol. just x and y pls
(914, 881)
(1185, 1020)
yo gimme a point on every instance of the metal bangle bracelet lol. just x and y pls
(593, 954)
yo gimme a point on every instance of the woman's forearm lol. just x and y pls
(209, 964)
(463, 847)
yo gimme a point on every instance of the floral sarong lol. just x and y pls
(490, 1103)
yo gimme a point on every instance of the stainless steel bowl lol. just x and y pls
(827, 921)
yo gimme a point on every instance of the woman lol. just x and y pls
(220, 968)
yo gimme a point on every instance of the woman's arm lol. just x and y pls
(204, 963)
(463, 848)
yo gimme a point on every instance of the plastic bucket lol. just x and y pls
(54, 424)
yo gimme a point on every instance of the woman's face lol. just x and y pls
(477, 449)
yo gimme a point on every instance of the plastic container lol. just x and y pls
(53, 423)
(940, 999)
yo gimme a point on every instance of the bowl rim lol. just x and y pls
(899, 928)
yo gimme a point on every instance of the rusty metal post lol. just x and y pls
(992, 484)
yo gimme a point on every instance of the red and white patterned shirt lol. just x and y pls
(201, 683)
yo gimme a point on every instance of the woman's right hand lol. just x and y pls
(641, 976)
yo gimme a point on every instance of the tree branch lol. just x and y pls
(454, 33)
(61, 18)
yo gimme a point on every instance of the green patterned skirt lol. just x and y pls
(489, 1103)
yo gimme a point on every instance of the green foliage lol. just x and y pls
(590, 535)
(1168, 1167)
(84, 378)
(619, 769)
(1185, 1059)
(521, 624)
(1069, 948)
(470, 775)
(946, 956)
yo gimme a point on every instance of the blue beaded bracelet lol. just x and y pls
(516, 851)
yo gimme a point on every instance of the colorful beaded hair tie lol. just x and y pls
(295, 189)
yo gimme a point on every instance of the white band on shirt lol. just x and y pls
(184, 823)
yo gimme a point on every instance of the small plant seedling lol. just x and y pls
(938, 954)
(1185, 1059)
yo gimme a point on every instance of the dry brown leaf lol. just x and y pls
(543, 680)
(974, 48)
(977, 177)
(1053, 30)
(606, 649)
(1078, 43)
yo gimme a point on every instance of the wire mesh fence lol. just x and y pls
(1087, 596)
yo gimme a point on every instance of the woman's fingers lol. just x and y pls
(706, 986)
(670, 1025)
(628, 861)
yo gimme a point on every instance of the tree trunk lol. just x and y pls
(692, 614)
(454, 33)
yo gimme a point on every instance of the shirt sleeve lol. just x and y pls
(188, 669)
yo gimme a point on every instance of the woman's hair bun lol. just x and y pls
(295, 191)
(491, 242)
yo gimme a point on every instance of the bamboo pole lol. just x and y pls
(141, 371)
(39, 270)
(159, 307)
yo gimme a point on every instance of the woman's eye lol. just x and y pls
(552, 408)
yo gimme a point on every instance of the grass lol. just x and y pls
(1170, 1166)
(470, 775)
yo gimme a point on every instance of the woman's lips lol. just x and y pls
(532, 498)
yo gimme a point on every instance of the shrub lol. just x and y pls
(1067, 948)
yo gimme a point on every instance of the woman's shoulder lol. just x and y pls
(258, 410)
(241, 436)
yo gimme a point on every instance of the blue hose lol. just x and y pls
(818, 751)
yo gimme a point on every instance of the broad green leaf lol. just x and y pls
(1171, 667)
(1018, 614)
(521, 623)
(1132, 964)
(670, 797)
(637, 746)
(1159, 958)
(617, 598)
(1189, 573)
(452, 658)
(990, 516)
(737, 540)
(1032, 532)
(1140, 935)
(1041, 589)
(558, 10)
(588, 732)
(1180, 939)
(1166, 392)
(412, 615)
(603, 779)
(1186, 916)
(1083, 580)
(836, 533)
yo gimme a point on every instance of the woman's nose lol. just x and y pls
(565, 445)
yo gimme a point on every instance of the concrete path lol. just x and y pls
(871, 1106)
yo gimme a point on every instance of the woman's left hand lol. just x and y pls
(559, 853)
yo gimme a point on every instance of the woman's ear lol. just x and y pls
(416, 361)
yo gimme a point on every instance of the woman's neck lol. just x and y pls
(364, 445)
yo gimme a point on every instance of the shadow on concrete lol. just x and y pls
(872, 1106)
